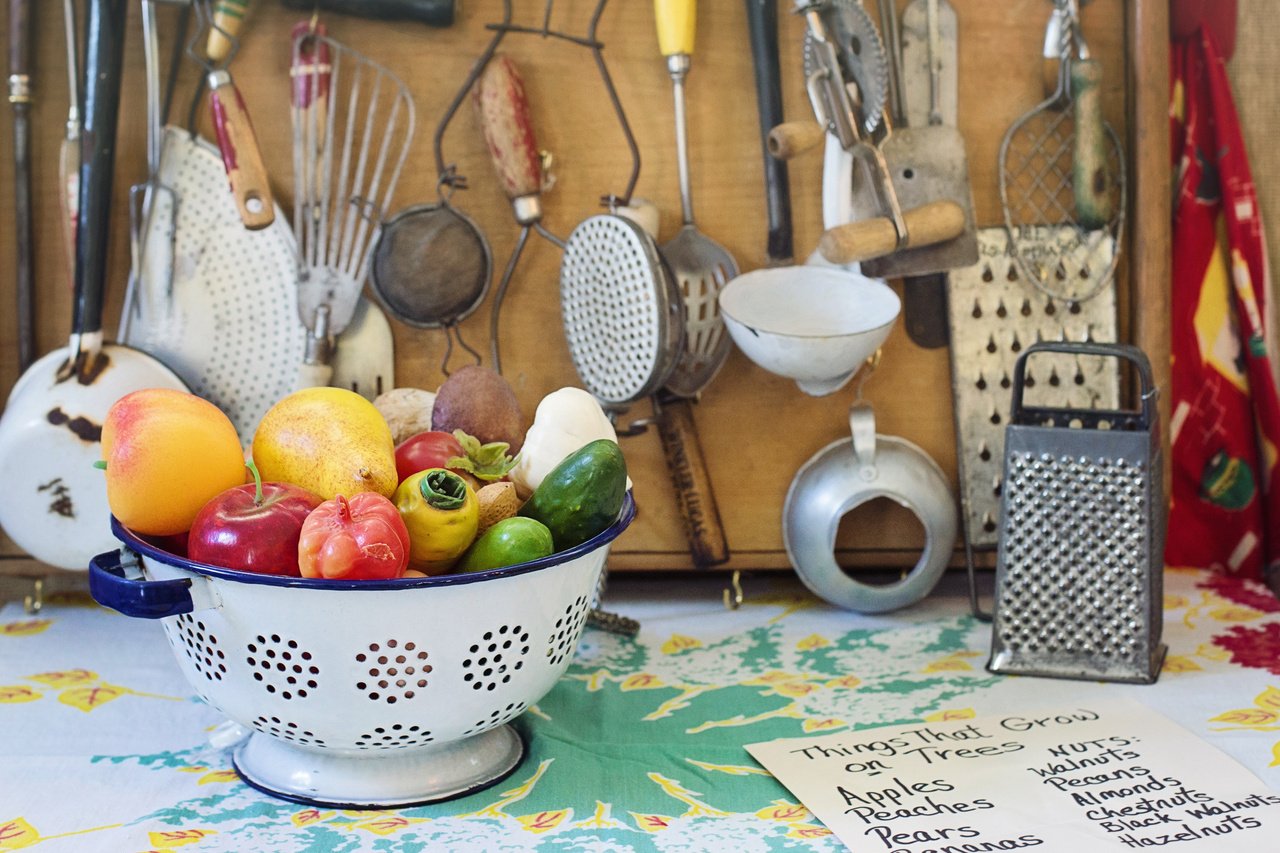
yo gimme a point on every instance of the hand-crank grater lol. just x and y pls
(1080, 555)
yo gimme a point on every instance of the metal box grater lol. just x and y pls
(1080, 554)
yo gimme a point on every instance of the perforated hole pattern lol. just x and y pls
(496, 658)
(497, 717)
(1080, 590)
(201, 647)
(287, 730)
(995, 315)
(395, 671)
(241, 377)
(567, 630)
(282, 667)
(611, 314)
(394, 736)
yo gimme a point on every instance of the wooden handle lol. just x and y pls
(240, 154)
(793, 138)
(677, 24)
(1091, 179)
(873, 238)
(503, 112)
(697, 500)
(228, 16)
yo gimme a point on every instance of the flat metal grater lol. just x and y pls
(994, 315)
(1080, 554)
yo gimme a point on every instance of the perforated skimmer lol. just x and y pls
(621, 310)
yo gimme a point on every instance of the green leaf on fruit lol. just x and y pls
(488, 462)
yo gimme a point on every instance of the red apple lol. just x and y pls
(253, 528)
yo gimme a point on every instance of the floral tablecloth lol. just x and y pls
(104, 746)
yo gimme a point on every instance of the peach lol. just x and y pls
(167, 454)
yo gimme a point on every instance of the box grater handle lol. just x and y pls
(1125, 352)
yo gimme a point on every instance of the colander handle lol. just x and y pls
(142, 599)
(1125, 352)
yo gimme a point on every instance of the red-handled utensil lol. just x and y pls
(237, 141)
(503, 112)
(240, 155)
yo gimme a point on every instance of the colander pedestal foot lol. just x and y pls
(378, 778)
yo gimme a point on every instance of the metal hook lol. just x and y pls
(34, 603)
(869, 367)
(733, 596)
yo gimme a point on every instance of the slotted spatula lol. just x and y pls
(364, 358)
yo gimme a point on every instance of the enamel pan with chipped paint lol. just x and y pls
(54, 503)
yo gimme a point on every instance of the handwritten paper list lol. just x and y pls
(1101, 777)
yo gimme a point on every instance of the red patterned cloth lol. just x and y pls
(1225, 424)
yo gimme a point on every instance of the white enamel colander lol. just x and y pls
(366, 694)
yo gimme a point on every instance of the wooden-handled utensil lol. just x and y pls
(233, 130)
(502, 108)
(1091, 178)
(228, 16)
(866, 239)
(701, 268)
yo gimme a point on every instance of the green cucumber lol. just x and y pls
(510, 541)
(582, 495)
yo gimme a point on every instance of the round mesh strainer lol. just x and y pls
(622, 310)
(431, 266)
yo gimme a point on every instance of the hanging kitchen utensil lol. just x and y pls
(232, 127)
(353, 121)
(932, 230)
(929, 97)
(433, 13)
(56, 507)
(762, 23)
(20, 57)
(228, 17)
(701, 268)
(364, 357)
(994, 317)
(152, 192)
(1081, 553)
(848, 32)
(217, 302)
(622, 311)
(700, 265)
(432, 265)
(502, 110)
(1062, 180)
(69, 148)
(847, 474)
(924, 163)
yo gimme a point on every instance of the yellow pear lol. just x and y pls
(330, 441)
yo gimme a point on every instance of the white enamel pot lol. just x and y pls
(55, 504)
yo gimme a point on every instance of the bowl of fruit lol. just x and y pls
(374, 628)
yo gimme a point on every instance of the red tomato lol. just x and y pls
(361, 537)
(430, 449)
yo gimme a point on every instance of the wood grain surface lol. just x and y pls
(756, 429)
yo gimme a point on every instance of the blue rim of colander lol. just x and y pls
(145, 548)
